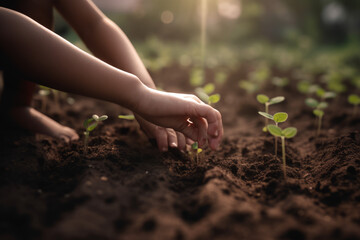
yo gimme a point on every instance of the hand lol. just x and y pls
(184, 113)
(165, 137)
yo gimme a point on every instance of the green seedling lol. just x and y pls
(289, 132)
(195, 151)
(354, 100)
(280, 81)
(127, 117)
(306, 87)
(320, 92)
(205, 94)
(318, 110)
(263, 99)
(90, 124)
(249, 86)
(277, 118)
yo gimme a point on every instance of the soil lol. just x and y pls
(124, 188)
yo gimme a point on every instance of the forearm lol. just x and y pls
(109, 43)
(47, 59)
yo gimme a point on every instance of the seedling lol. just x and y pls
(306, 87)
(324, 95)
(277, 118)
(289, 132)
(90, 124)
(280, 81)
(354, 100)
(195, 150)
(318, 110)
(205, 95)
(263, 99)
(127, 117)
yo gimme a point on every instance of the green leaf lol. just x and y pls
(313, 88)
(280, 117)
(127, 117)
(274, 130)
(103, 118)
(214, 98)
(87, 122)
(289, 132)
(329, 95)
(95, 117)
(318, 112)
(303, 86)
(195, 146)
(264, 114)
(322, 105)
(91, 127)
(196, 77)
(276, 100)
(262, 98)
(320, 92)
(202, 95)
(354, 99)
(209, 88)
(199, 150)
(311, 102)
(248, 86)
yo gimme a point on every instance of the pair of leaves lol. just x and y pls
(289, 132)
(91, 123)
(204, 96)
(354, 99)
(262, 98)
(311, 102)
(277, 117)
(325, 95)
(195, 147)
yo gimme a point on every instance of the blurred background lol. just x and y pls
(307, 37)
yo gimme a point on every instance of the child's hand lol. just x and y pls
(165, 137)
(183, 113)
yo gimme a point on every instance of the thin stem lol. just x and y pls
(283, 155)
(86, 142)
(267, 111)
(319, 126)
(275, 146)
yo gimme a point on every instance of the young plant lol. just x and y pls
(280, 81)
(324, 95)
(263, 99)
(277, 118)
(195, 150)
(205, 94)
(90, 124)
(318, 110)
(354, 100)
(289, 132)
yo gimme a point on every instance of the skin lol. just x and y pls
(116, 75)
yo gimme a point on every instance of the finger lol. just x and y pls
(181, 141)
(202, 126)
(162, 139)
(214, 120)
(172, 138)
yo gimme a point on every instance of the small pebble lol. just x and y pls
(103, 178)
(147, 172)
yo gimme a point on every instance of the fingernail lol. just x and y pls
(216, 133)
(173, 144)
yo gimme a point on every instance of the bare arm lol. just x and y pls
(48, 59)
(103, 37)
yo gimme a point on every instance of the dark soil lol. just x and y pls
(124, 188)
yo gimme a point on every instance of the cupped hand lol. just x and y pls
(184, 113)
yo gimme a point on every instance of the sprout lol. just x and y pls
(263, 99)
(249, 86)
(277, 118)
(205, 95)
(318, 110)
(280, 82)
(354, 100)
(127, 117)
(90, 124)
(306, 87)
(195, 150)
(289, 132)
(325, 95)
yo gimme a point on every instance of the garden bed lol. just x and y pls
(125, 189)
